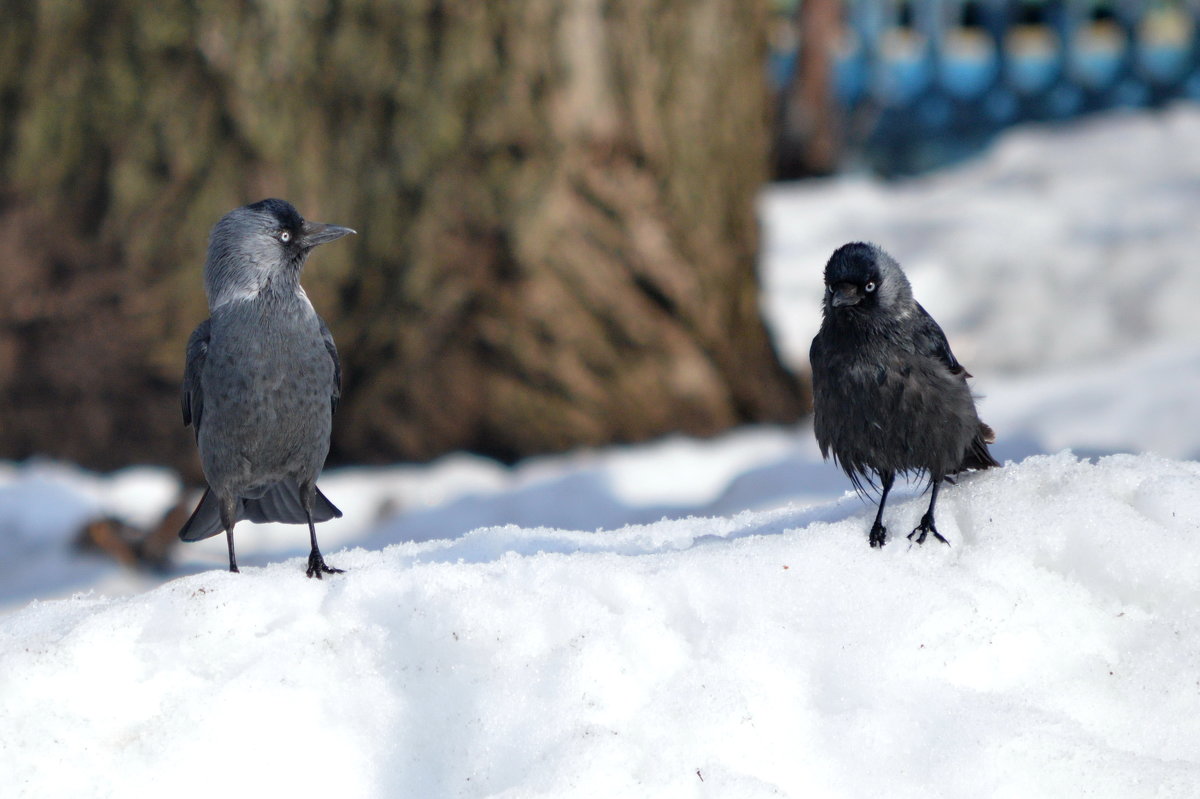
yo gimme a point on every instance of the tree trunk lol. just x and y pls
(555, 201)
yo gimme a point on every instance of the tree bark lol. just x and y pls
(555, 201)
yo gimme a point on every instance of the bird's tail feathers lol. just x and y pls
(279, 502)
(977, 455)
(205, 520)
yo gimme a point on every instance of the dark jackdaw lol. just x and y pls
(888, 395)
(262, 378)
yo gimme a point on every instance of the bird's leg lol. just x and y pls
(878, 535)
(926, 526)
(232, 558)
(228, 511)
(316, 563)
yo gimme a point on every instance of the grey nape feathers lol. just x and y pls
(888, 395)
(262, 379)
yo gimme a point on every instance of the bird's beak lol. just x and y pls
(844, 294)
(315, 233)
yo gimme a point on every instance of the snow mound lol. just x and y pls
(1050, 650)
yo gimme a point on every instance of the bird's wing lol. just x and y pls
(193, 396)
(336, 392)
(930, 340)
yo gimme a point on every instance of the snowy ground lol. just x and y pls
(703, 618)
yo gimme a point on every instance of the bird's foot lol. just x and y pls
(317, 567)
(924, 529)
(878, 535)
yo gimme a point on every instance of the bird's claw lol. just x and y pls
(924, 529)
(878, 535)
(317, 567)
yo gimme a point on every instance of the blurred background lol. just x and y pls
(555, 204)
(586, 224)
(906, 86)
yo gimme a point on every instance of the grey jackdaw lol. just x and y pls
(262, 378)
(888, 395)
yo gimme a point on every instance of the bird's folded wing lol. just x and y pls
(331, 348)
(192, 398)
(930, 340)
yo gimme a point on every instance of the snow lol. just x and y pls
(766, 653)
(702, 618)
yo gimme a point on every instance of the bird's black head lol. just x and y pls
(281, 221)
(862, 279)
(257, 243)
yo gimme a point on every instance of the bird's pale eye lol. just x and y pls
(285, 236)
(870, 286)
